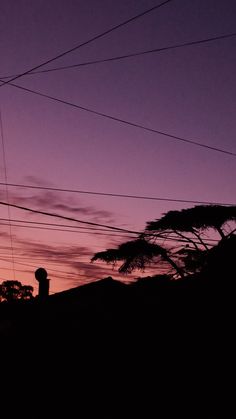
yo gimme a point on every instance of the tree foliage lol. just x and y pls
(136, 254)
(188, 227)
(200, 217)
(14, 291)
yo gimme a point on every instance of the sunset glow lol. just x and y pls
(189, 92)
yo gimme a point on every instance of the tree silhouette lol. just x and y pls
(14, 290)
(195, 220)
(188, 226)
(136, 254)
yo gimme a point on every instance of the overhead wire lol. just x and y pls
(67, 231)
(127, 56)
(3, 279)
(90, 40)
(79, 276)
(58, 225)
(67, 218)
(158, 236)
(94, 229)
(190, 141)
(72, 275)
(125, 121)
(152, 198)
(109, 227)
(6, 189)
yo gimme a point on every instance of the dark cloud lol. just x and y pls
(36, 181)
(90, 211)
(68, 262)
(56, 253)
(4, 234)
(56, 202)
(93, 269)
(71, 263)
(77, 259)
(13, 197)
(68, 258)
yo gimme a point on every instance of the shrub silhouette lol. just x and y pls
(14, 290)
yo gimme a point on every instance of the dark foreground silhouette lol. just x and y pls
(157, 348)
(167, 347)
(41, 276)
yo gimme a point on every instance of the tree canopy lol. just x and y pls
(14, 291)
(200, 217)
(136, 254)
(187, 231)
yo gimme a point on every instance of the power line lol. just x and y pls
(58, 225)
(109, 227)
(9, 269)
(153, 198)
(160, 236)
(89, 41)
(91, 223)
(126, 56)
(48, 263)
(67, 231)
(6, 187)
(68, 218)
(72, 275)
(53, 261)
(3, 279)
(124, 121)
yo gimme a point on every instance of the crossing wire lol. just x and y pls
(94, 38)
(127, 56)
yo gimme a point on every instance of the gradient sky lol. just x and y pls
(189, 92)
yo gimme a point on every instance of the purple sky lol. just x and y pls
(188, 92)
